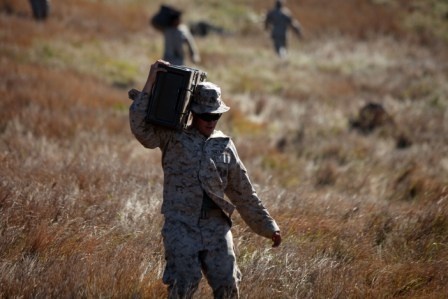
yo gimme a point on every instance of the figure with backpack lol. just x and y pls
(176, 36)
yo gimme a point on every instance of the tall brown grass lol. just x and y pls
(361, 218)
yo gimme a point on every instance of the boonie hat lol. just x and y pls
(207, 99)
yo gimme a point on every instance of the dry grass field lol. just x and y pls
(364, 213)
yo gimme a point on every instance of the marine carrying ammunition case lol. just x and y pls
(169, 102)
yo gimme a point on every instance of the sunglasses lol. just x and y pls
(209, 116)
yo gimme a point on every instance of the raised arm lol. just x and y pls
(148, 135)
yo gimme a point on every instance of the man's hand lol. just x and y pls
(132, 94)
(152, 74)
(277, 239)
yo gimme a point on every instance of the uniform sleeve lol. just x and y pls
(296, 27)
(293, 23)
(191, 44)
(242, 194)
(148, 135)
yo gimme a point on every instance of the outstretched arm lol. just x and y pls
(242, 194)
(148, 135)
(296, 27)
(191, 44)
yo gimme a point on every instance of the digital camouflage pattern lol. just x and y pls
(207, 99)
(207, 246)
(193, 164)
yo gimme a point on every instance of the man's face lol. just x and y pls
(205, 123)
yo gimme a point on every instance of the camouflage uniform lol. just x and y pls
(175, 38)
(198, 168)
(280, 19)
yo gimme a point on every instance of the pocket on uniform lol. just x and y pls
(222, 163)
(223, 158)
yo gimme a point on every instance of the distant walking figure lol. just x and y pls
(278, 20)
(176, 36)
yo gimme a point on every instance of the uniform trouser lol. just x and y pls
(192, 250)
(280, 45)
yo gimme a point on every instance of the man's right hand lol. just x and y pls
(153, 73)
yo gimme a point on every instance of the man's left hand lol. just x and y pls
(277, 239)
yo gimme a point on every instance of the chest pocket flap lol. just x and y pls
(223, 158)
